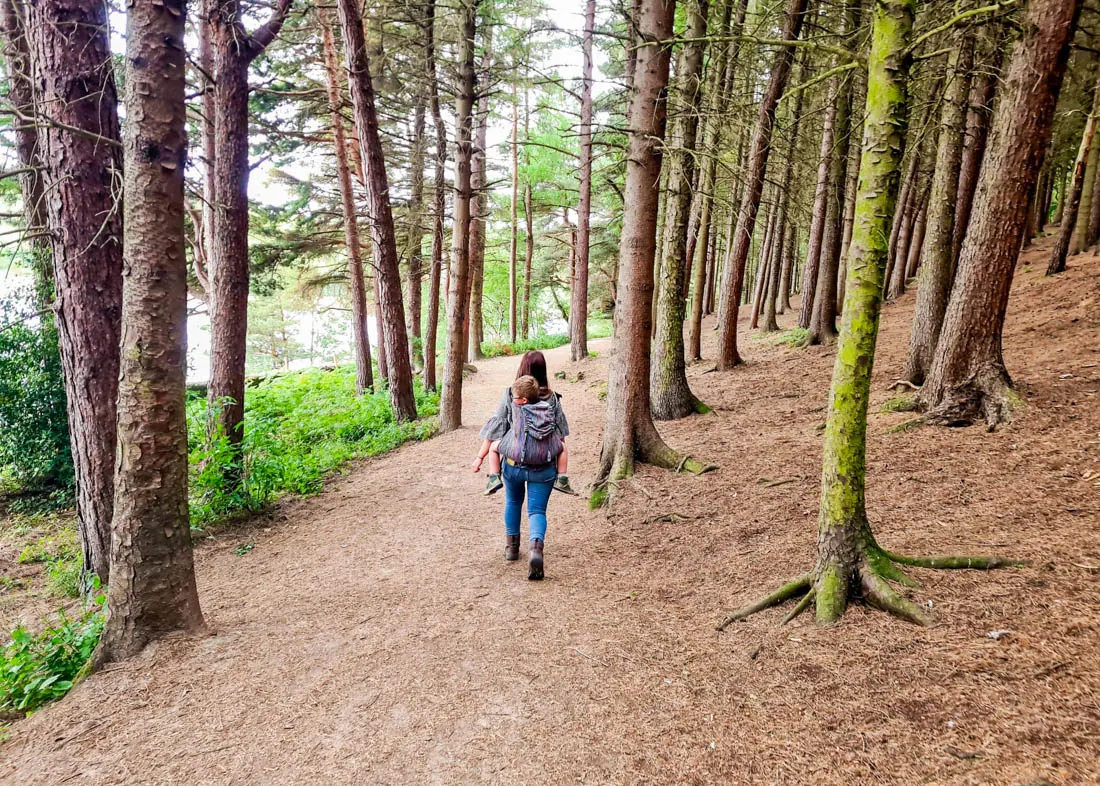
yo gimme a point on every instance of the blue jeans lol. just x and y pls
(539, 483)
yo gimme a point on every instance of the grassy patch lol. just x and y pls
(496, 349)
(906, 425)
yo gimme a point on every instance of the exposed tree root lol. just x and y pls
(986, 395)
(869, 581)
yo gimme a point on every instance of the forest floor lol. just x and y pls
(374, 634)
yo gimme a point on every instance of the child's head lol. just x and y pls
(525, 390)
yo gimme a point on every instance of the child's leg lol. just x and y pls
(494, 457)
(563, 460)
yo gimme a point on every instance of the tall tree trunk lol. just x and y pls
(439, 185)
(720, 73)
(906, 196)
(978, 114)
(450, 403)
(578, 308)
(823, 319)
(152, 590)
(733, 275)
(1068, 231)
(818, 215)
(387, 276)
(968, 376)
(414, 245)
(670, 396)
(916, 242)
(17, 63)
(74, 85)
(209, 133)
(1060, 209)
(479, 222)
(513, 250)
(234, 50)
(629, 433)
(934, 285)
(528, 218)
(364, 374)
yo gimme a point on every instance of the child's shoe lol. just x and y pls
(561, 483)
(494, 484)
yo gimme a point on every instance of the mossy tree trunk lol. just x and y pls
(629, 433)
(671, 397)
(850, 563)
(968, 378)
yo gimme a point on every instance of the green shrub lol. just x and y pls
(34, 436)
(40, 668)
(298, 428)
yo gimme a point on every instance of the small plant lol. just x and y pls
(243, 549)
(36, 669)
(791, 337)
(60, 552)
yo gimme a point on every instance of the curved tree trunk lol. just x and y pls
(671, 397)
(734, 274)
(80, 179)
(629, 433)
(364, 374)
(152, 590)
(1080, 240)
(978, 115)
(968, 376)
(935, 276)
(387, 276)
(450, 402)
(1068, 231)
(817, 216)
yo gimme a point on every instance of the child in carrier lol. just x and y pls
(539, 437)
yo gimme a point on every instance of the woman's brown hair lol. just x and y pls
(533, 364)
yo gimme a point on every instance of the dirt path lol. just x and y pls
(375, 635)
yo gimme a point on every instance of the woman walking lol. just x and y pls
(528, 429)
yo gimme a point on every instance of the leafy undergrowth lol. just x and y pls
(298, 429)
(37, 668)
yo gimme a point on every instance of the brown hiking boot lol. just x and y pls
(561, 483)
(534, 562)
(511, 547)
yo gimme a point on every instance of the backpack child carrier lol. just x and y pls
(533, 439)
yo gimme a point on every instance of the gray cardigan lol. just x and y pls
(501, 421)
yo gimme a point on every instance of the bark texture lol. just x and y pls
(629, 433)
(578, 304)
(234, 50)
(387, 276)
(670, 396)
(968, 378)
(734, 274)
(364, 373)
(81, 178)
(450, 403)
(935, 275)
(439, 186)
(153, 590)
